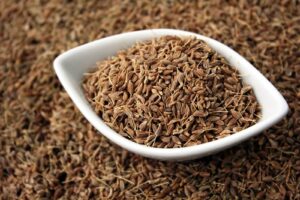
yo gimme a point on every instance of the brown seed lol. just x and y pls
(225, 132)
(130, 87)
(246, 89)
(143, 125)
(235, 114)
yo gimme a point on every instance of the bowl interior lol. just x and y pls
(71, 65)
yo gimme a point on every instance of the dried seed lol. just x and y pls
(235, 114)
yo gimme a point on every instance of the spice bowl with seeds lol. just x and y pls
(169, 94)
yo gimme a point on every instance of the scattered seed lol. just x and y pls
(37, 117)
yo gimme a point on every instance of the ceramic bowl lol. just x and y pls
(71, 66)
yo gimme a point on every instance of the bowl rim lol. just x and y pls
(154, 152)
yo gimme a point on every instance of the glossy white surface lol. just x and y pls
(71, 65)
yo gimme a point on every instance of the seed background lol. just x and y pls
(48, 150)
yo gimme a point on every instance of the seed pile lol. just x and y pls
(171, 92)
(49, 151)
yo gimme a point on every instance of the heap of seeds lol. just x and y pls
(171, 92)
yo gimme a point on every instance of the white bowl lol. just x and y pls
(71, 65)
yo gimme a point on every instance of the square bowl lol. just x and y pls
(71, 66)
